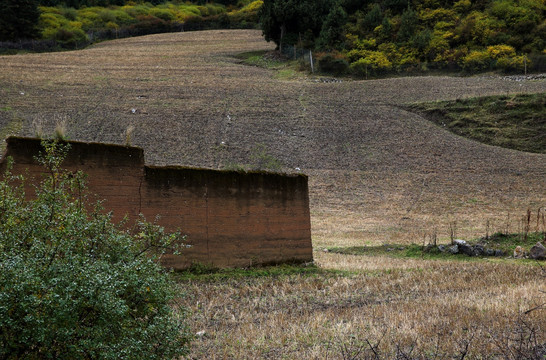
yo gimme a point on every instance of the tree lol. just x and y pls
(408, 25)
(18, 19)
(332, 33)
(73, 285)
(286, 21)
(373, 18)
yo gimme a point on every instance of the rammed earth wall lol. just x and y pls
(230, 218)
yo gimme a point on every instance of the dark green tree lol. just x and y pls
(386, 29)
(352, 6)
(18, 19)
(373, 18)
(287, 21)
(408, 25)
(332, 33)
(396, 6)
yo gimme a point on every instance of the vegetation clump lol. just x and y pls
(406, 36)
(72, 284)
(75, 24)
(510, 121)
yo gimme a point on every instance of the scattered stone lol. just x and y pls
(489, 252)
(538, 252)
(390, 249)
(519, 252)
(453, 249)
(442, 248)
(478, 250)
(326, 250)
(459, 242)
(200, 333)
(330, 80)
(525, 77)
(499, 253)
(466, 249)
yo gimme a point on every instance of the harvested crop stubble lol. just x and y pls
(431, 306)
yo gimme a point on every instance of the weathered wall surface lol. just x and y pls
(230, 218)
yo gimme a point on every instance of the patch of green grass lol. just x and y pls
(508, 242)
(285, 69)
(287, 74)
(260, 59)
(211, 274)
(513, 121)
(398, 251)
(498, 241)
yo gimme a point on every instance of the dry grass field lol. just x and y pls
(378, 174)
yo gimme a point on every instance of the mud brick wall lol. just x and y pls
(230, 219)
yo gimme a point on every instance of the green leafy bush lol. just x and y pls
(515, 63)
(372, 62)
(75, 286)
(500, 51)
(476, 61)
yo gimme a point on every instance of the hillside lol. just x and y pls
(378, 173)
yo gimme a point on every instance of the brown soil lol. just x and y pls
(377, 172)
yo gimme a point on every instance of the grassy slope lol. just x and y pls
(513, 121)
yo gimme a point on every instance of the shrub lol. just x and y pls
(373, 62)
(70, 13)
(515, 63)
(332, 63)
(437, 48)
(462, 6)
(500, 51)
(253, 6)
(70, 37)
(163, 14)
(476, 61)
(75, 286)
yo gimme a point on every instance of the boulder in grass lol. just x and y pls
(478, 250)
(499, 253)
(466, 249)
(538, 252)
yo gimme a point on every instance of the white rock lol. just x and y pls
(459, 242)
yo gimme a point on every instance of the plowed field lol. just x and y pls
(377, 172)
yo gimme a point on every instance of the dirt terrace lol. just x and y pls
(377, 172)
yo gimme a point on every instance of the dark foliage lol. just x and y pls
(18, 19)
(73, 285)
